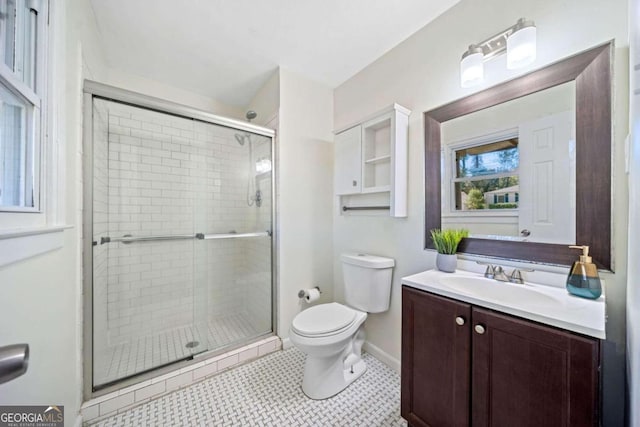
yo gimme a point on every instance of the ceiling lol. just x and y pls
(227, 49)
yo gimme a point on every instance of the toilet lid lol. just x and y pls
(323, 319)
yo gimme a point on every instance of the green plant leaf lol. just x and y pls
(447, 241)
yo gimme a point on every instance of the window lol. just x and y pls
(486, 176)
(22, 71)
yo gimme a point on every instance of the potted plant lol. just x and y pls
(446, 243)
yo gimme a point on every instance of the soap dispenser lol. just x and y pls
(583, 279)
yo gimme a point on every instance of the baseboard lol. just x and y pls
(381, 355)
(286, 343)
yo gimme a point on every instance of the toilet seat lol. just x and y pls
(324, 320)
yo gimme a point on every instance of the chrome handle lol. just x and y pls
(354, 183)
(232, 235)
(460, 320)
(525, 233)
(490, 272)
(128, 238)
(14, 360)
(479, 329)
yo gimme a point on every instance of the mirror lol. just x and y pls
(508, 171)
(486, 170)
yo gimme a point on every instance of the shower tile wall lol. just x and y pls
(168, 175)
(100, 219)
(258, 257)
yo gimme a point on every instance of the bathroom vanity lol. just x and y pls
(480, 352)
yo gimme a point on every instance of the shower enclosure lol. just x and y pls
(178, 234)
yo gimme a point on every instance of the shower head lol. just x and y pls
(243, 137)
(251, 115)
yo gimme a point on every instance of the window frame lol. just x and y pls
(451, 179)
(36, 99)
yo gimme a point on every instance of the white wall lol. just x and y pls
(305, 187)
(633, 285)
(267, 100)
(41, 296)
(422, 73)
(148, 86)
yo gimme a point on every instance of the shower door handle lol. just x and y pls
(131, 239)
(233, 235)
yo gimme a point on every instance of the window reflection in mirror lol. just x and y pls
(487, 176)
(509, 170)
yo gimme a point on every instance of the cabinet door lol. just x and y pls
(435, 360)
(348, 161)
(525, 374)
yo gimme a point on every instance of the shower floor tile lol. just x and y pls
(267, 392)
(151, 351)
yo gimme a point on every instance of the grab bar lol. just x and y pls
(130, 239)
(232, 235)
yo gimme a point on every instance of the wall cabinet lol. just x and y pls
(463, 365)
(347, 163)
(370, 161)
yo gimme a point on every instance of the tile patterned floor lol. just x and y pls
(267, 392)
(150, 351)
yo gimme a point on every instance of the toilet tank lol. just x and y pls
(367, 281)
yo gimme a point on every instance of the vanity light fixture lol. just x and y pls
(518, 41)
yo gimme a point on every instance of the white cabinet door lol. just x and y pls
(547, 205)
(348, 161)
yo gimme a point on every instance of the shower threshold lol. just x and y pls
(151, 352)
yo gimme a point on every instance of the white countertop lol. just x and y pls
(554, 306)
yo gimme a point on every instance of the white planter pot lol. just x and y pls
(446, 262)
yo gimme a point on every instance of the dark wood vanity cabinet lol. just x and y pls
(463, 365)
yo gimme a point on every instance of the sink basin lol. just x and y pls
(507, 293)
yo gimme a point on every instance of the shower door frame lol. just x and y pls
(91, 90)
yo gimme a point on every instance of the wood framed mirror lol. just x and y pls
(591, 73)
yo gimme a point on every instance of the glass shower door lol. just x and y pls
(144, 279)
(182, 246)
(235, 210)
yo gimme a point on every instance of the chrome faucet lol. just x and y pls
(516, 277)
(496, 272)
(499, 274)
(489, 273)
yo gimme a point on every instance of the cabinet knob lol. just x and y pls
(460, 320)
(354, 183)
(479, 329)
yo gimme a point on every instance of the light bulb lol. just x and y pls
(521, 46)
(471, 67)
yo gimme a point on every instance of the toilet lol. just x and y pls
(331, 335)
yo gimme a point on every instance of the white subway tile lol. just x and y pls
(228, 361)
(267, 347)
(116, 403)
(206, 370)
(247, 354)
(149, 391)
(90, 412)
(129, 123)
(179, 381)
